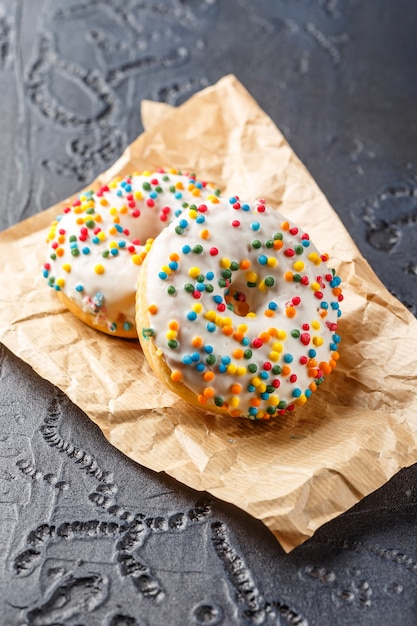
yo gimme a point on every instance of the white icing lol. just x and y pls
(235, 244)
(116, 286)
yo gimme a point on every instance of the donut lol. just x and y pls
(237, 310)
(97, 245)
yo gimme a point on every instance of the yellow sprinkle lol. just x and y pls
(171, 334)
(113, 211)
(301, 400)
(231, 368)
(113, 244)
(241, 371)
(281, 334)
(194, 272)
(99, 269)
(262, 286)
(234, 402)
(66, 267)
(242, 328)
(318, 341)
(60, 282)
(137, 259)
(272, 262)
(274, 355)
(315, 324)
(138, 195)
(277, 346)
(101, 235)
(225, 263)
(166, 269)
(197, 308)
(192, 214)
(251, 277)
(251, 314)
(315, 286)
(298, 266)
(210, 315)
(273, 400)
(255, 381)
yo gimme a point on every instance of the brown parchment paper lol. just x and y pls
(294, 474)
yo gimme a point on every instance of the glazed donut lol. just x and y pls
(237, 310)
(99, 242)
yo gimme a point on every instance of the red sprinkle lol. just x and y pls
(303, 360)
(202, 208)
(235, 223)
(267, 366)
(294, 230)
(214, 251)
(293, 378)
(257, 342)
(305, 338)
(196, 294)
(289, 252)
(150, 202)
(296, 300)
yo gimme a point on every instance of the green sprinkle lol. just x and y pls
(252, 367)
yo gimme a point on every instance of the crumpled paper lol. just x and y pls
(295, 473)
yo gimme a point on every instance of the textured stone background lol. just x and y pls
(86, 536)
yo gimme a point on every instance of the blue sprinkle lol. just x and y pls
(173, 265)
(253, 410)
(264, 375)
(86, 250)
(265, 395)
(118, 228)
(122, 244)
(336, 338)
(200, 219)
(251, 388)
(114, 251)
(210, 275)
(245, 207)
(209, 349)
(333, 347)
(45, 273)
(186, 249)
(95, 240)
(57, 287)
(183, 223)
(191, 315)
(324, 305)
(222, 368)
(245, 341)
(232, 200)
(226, 360)
(312, 353)
(186, 359)
(211, 327)
(79, 288)
(305, 243)
(153, 195)
(163, 275)
(119, 193)
(178, 212)
(128, 187)
(195, 356)
(339, 313)
(200, 367)
(255, 225)
(263, 259)
(217, 299)
(288, 358)
(272, 306)
(296, 393)
(178, 195)
(308, 393)
(334, 305)
(73, 245)
(200, 287)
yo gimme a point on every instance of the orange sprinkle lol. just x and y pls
(278, 244)
(59, 251)
(238, 336)
(205, 233)
(153, 309)
(254, 402)
(174, 256)
(227, 330)
(286, 370)
(176, 376)
(325, 367)
(208, 376)
(269, 313)
(285, 226)
(312, 386)
(288, 276)
(234, 413)
(312, 372)
(244, 264)
(335, 356)
(290, 311)
(202, 399)
(208, 392)
(235, 389)
(197, 341)
(173, 325)
(265, 336)
(238, 353)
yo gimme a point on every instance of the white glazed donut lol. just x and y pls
(237, 310)
(97, 245)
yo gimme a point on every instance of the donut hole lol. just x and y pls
(238, 300)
